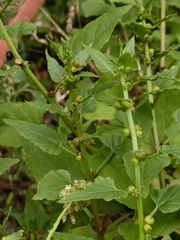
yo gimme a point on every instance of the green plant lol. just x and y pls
(103, 169)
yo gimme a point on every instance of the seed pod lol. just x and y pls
(140, 154)
(149, 220)
(126, 132)
(147, 228)
(9, 55)
(79, 99)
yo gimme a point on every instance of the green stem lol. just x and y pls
(108, 158)
(163, 32)
(85, 163)
(55, 225)
(30, 74)
(5, 6)
(137, 167)
(151, 101)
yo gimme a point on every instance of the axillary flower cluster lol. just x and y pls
(76, 205)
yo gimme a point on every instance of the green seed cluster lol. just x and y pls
(68, 81)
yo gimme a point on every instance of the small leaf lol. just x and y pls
(167, 200)
(157, 22)
(127, 61)
(52, 108)
(99, 87)
(18, 29)
(87, 74)
(103, 188)
(176, 115)
(15, 236)
(10, 71)
(101, 60)
(41, 136)
(55, 70)
(174, 150)
(50, 186)
(68, 236)
(129, 230)
(129, 48)
(5, 163)
(94, 7)
(162, 54)
(166, 238)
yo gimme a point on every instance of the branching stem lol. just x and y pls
(137, 167)
(151, 101)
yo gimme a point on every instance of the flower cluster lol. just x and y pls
(76, 205)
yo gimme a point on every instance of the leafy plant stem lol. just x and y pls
(151, 101)
(153, 212)
(30, 74)
(56, 89)
(85, 162)
(137, 167)
(55, 225)
(5, 6)
(108, 158)
(163, 32)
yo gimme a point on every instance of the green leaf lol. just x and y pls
(98, 31)
(129, 48)
(174, 3)
(143, 117)
(148, 237)
(15, 236)
(34, 216)
(127, 61)
(50, 186)
(18, 29)
(41, 136)
(165, 223)
(166, 238)
(87, 74)
(52, 108)
(176, 115)
(10, 71)
(5, 163)
(124, 1)
(138, 29)
(167, 200)
(150, 168)
(68, 236)
(55, 70)
(36, 159)
(20, 111)
(129, 231)
(158, 21)
(102, 188)
(99, 87)
(174, 150)
(165, 105)
(94, 7)
(162, 54)
(101, 60)
(8, 138)
(103, 112)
